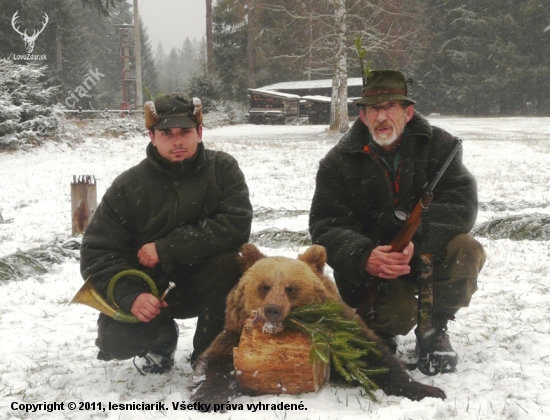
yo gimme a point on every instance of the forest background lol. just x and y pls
(465, 57)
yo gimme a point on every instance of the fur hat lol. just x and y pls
(170, 111)
(382, 86)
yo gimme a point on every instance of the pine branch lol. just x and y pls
(334, 337)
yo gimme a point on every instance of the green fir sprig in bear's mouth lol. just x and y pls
(334, 337)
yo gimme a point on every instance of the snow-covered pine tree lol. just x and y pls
(205, 86)
(26, 106)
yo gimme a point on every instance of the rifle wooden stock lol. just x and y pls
(406, 233)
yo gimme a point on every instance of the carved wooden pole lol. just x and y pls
(83, 202)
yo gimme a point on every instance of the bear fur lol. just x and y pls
(274, 286)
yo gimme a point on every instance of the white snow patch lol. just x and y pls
(502, 339)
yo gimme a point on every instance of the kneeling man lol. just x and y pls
(179, 216)
(385, 162)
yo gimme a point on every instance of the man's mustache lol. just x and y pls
(383, 125)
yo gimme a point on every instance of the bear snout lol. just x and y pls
(273, 313)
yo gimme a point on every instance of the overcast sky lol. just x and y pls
(171, 21)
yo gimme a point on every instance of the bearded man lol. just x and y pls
(383, 163)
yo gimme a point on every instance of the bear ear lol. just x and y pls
(316, 257)
(249, 255)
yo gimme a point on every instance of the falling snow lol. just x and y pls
(502, 339)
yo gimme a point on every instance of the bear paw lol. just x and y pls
(416, 391)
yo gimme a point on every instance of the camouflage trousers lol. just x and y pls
(456, 275)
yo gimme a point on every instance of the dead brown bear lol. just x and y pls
(274, 286)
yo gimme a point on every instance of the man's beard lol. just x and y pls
(384, 139)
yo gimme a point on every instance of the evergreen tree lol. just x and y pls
(485, 60)
(205, 86)
(104, 55)
(175, 70)
(230, 37)
(102, 6)
(188, 59)
(173, 77)
(148, 67)
(76, 39)
(160, 58)
(26, 113)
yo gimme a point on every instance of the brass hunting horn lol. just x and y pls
(88, 295)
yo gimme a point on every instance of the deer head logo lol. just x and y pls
(29, 40)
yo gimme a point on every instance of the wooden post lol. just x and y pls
(83, 202)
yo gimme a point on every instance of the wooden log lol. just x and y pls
(277, 363)
(83, 202)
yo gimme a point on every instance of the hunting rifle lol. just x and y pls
(366, 309)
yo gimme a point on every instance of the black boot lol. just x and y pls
(209, 324)
(444, 357)
(159, 358)
(436, 354)
(156, 363)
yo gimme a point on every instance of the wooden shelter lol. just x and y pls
(283, 102)
(268, 107)
(317, 108)
(322, 87)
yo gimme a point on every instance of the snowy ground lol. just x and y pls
(503, 338)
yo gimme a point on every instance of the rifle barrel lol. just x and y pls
(443, 167)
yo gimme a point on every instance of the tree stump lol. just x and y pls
(83, 202)
(277, 364)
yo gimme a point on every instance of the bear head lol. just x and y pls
(274, 286)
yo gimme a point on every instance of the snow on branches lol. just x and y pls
(26, 112)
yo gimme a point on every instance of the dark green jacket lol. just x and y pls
(353, 205)
(191, 210)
